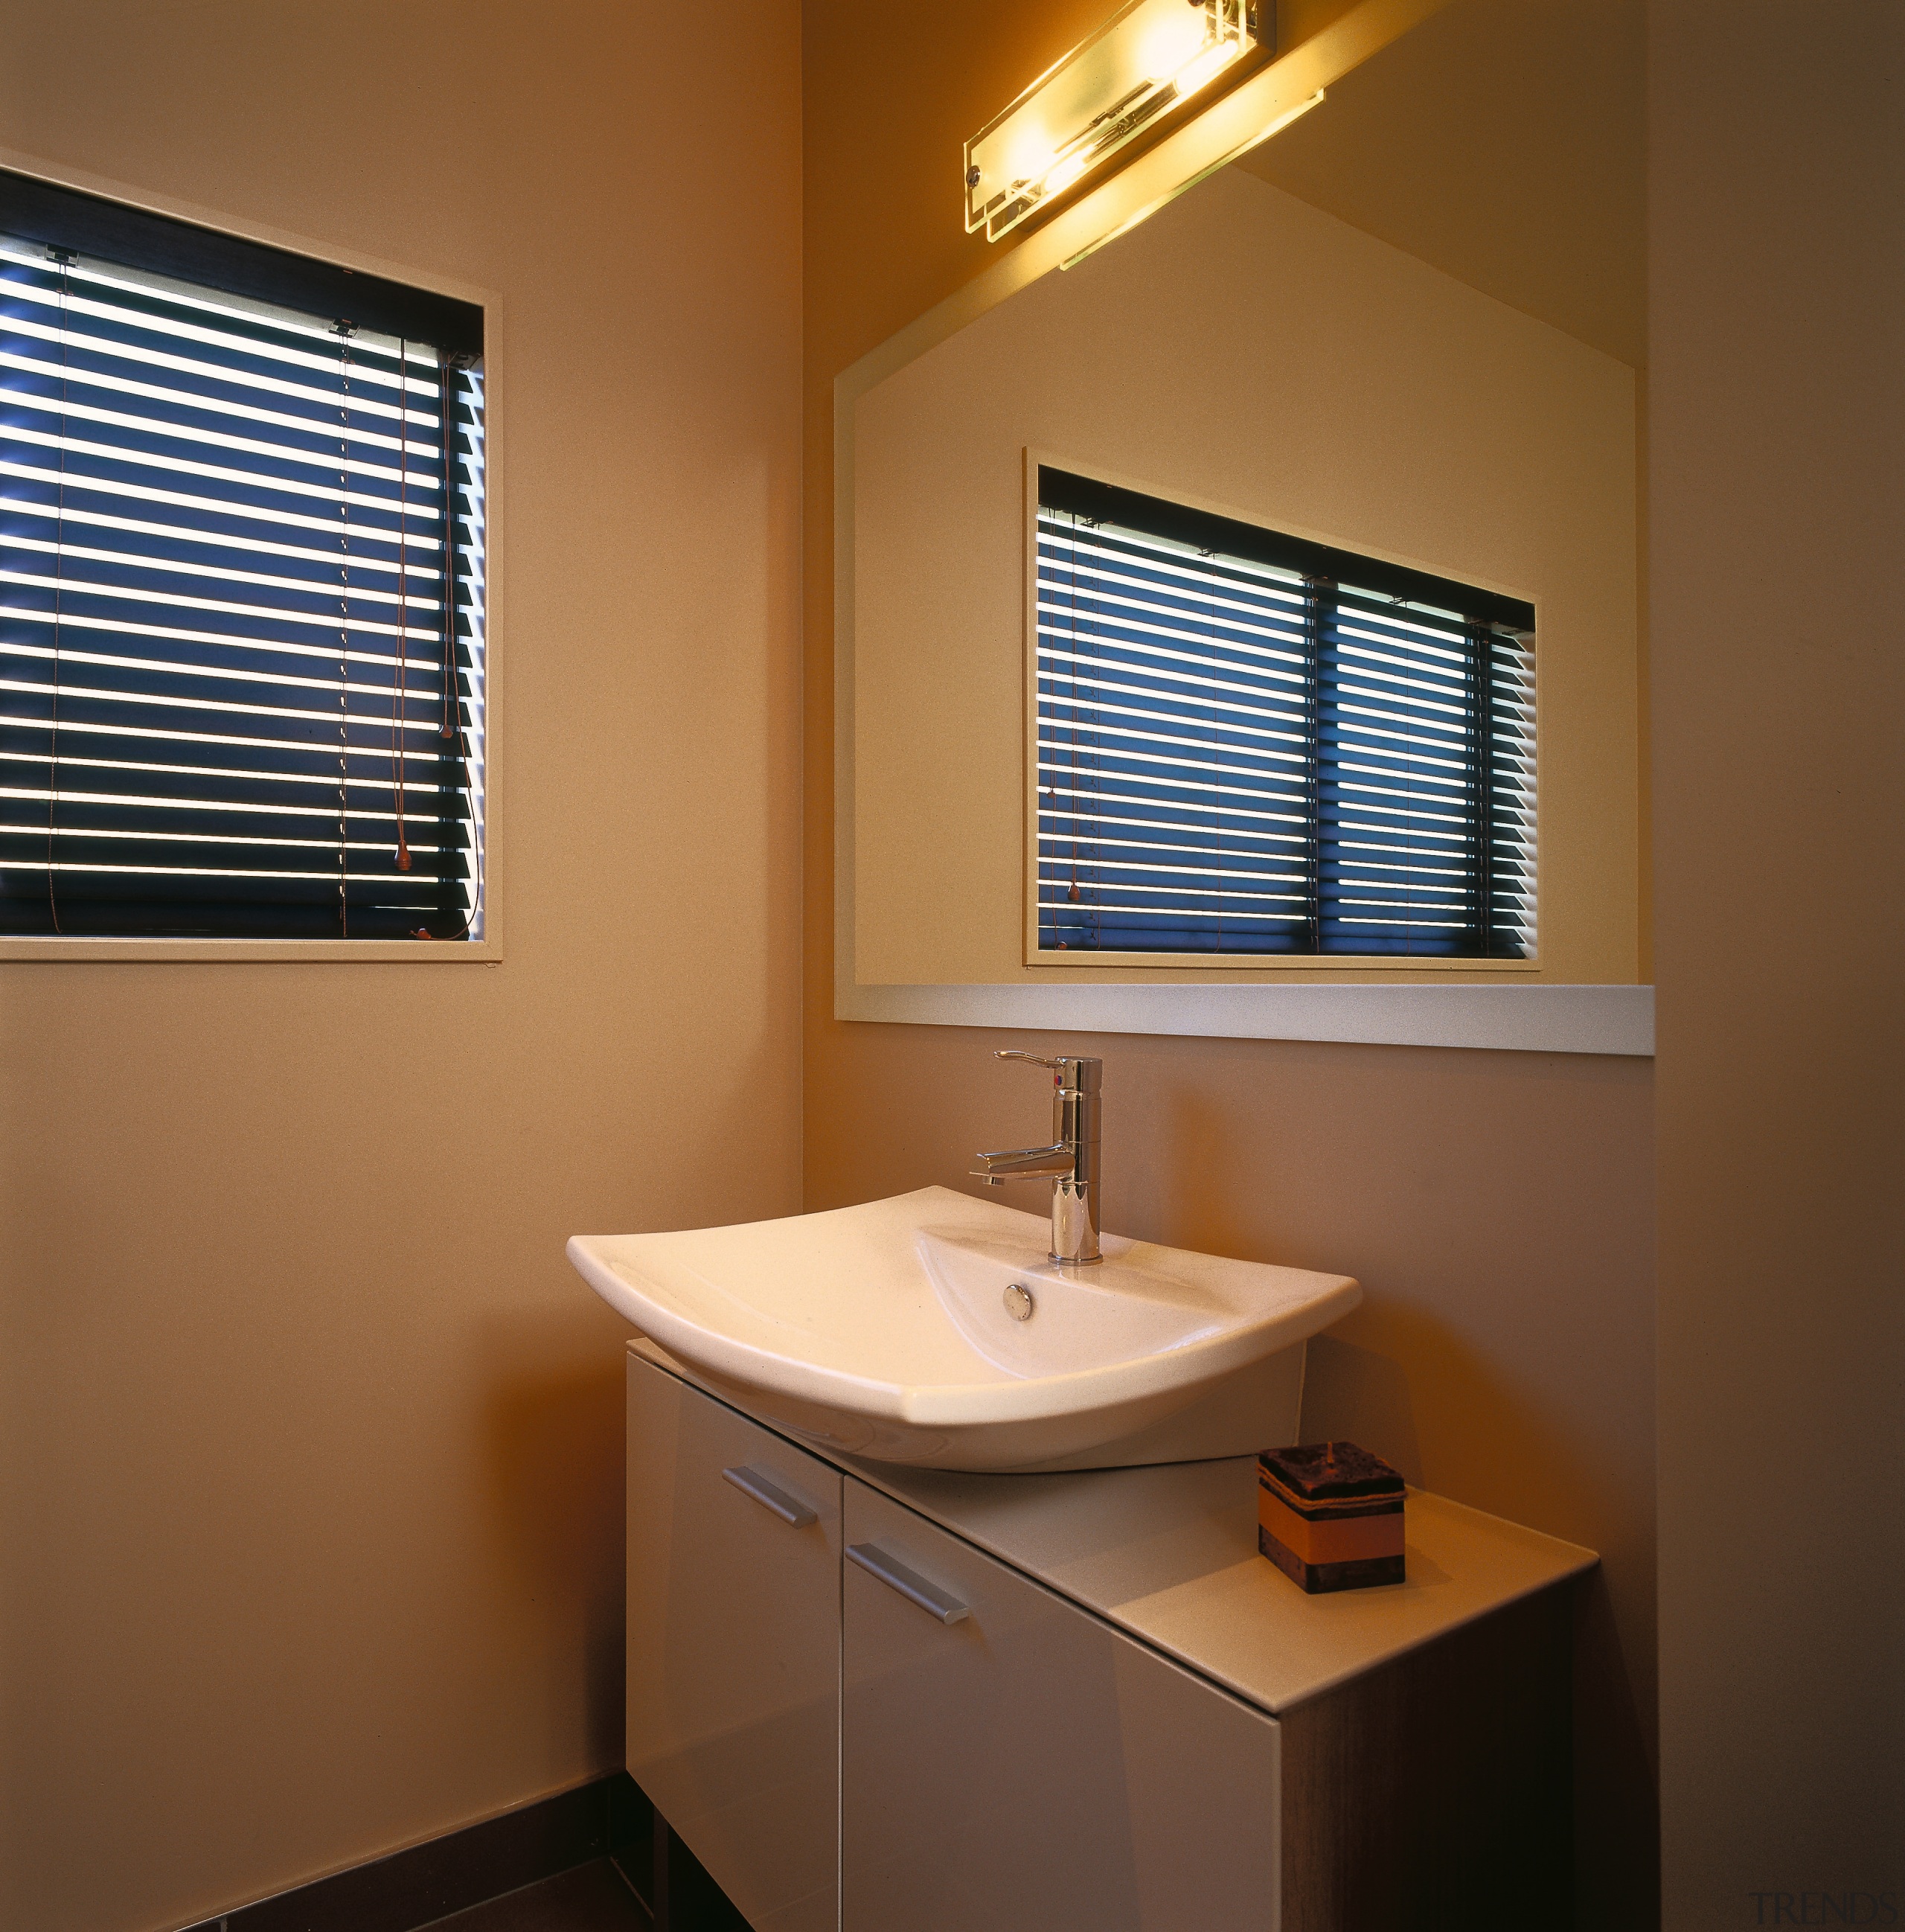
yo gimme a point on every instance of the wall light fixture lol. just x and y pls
(1149, 56)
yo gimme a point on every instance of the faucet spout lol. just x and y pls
(1070, 1163)
(1044, 1163)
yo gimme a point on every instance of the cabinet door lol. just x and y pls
(1023, 1764)
(734, 1647)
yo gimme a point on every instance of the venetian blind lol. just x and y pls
(1248, 743)
(241, 589)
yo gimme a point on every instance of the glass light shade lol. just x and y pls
(1148, 56)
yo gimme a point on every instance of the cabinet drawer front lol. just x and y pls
(1009, 1761)
(734, 1649)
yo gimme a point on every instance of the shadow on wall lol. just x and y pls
(1617, 1868)
(553, 1447)
(1360, 1389)
(1356, 1395)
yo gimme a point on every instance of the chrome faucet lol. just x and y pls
(1071, 1162)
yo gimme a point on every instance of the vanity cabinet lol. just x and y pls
(902, 1700)
(1025, 1766)
(733, 1647)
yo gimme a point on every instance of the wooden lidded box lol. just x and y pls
(1329, 1516)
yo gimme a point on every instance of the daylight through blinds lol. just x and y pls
(1250, 744)
(241, 615)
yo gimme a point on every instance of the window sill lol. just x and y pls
(1515, 1018)
(1098, 959)
(248, 951)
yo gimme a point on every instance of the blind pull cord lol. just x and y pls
(400, 723)
(344, 331)
(63, 258)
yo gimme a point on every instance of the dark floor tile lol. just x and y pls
(593, 1898)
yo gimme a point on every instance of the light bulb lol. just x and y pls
(1207, 66)
(1170, 42)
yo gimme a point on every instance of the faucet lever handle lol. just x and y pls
(1076, 1073)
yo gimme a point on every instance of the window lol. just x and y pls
(241, 648)
(1252, 744)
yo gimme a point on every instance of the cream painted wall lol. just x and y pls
(310, 1476)
(1498, 1207)
(1242, 350)
(1562, 234)
(1777, 202)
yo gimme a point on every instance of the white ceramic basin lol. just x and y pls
(883, 1330)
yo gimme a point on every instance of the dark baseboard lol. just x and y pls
(411, 1889)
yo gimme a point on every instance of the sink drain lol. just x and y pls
(1018, 1302)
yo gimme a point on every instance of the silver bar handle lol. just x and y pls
(1073, 1073)
(914, 1587)
(770, 1496)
